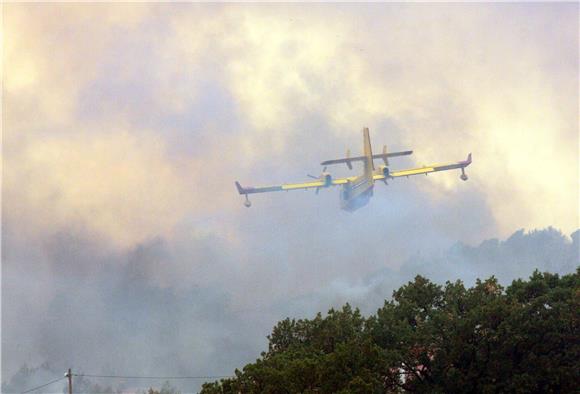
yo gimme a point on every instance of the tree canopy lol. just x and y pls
(429, 338)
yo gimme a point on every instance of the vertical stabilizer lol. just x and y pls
(369, 166)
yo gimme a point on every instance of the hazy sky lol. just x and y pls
(125, 126)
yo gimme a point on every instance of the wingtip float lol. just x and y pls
(357, 190)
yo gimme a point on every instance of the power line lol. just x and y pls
(151, 377)
(128, 377)
(44, 385)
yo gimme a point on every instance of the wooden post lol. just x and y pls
(69, 376)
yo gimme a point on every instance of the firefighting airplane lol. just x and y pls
(357, 190)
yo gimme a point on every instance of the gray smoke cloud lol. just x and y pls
(516, 257)
(120, 319)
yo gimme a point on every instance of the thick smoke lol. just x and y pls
(516, 257)
(121, 319)
(124, 320)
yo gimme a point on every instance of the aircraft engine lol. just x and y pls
(327, 178)
(385, 171)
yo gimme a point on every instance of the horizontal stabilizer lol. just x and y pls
(362, 158)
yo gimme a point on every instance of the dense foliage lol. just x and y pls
(430, 338)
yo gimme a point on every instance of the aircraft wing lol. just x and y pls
(305, 185)
(426, 169)
(292, 186)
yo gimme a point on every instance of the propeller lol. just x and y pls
(317, 177)
(386, 161)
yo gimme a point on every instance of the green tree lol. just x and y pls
(429, 338)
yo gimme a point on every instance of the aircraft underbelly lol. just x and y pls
(357, 199)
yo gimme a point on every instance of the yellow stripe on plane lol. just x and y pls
(307, 185)
(292, 186)
(414, 171)
(342, 181)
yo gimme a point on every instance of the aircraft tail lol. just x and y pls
(368, 152)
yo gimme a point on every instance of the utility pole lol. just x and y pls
(69, 376)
